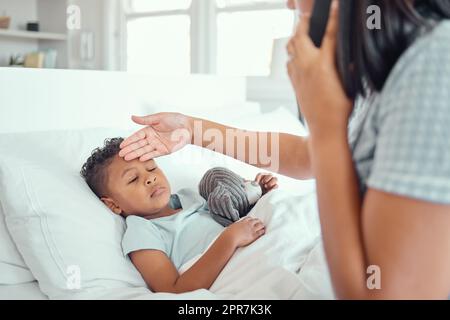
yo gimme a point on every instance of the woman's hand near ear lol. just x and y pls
(291, 4)
(315, 78)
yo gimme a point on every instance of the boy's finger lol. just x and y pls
(258, 225)
(272, 183)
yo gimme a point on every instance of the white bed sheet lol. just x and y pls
(24, 291)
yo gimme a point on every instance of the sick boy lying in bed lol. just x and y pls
(164, 230)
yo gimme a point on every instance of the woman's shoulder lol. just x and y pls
(427, 56)
(431, 41)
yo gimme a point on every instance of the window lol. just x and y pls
(227, 37)
(158, 36)
(157, 5)
(157, 52)
(245, 40)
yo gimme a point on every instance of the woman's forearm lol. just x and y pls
(206, 270)
(278, 152)
(340, 214)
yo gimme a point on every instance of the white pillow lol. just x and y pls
(13, 269)
(59, 226)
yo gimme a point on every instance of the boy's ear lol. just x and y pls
(111, 204)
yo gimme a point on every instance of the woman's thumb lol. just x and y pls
(147, 120)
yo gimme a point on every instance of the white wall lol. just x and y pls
(21, 12)
(38, 99)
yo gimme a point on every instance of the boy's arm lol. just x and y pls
(161, 275)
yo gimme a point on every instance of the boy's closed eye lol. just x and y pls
(133, 180)
(136, 178)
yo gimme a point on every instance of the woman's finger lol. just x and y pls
(157, 149)
(301, 40)
(150, 120)
(151, 155)
(290, 48)
(330, 37)
(138, 152)
(133, 147)
(258, 177)
(133, 138)
(303, 25)
(291, 4)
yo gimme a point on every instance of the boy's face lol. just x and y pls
(136, 188)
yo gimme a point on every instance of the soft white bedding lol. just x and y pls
(24, 291)
(287, 262)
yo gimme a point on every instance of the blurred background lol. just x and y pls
(244, 38)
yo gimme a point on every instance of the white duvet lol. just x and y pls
(287, 262)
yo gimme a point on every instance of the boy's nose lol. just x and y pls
(150, 180)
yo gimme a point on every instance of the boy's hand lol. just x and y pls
(267, 182)
(245, 231)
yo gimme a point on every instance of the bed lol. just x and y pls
(57, 241)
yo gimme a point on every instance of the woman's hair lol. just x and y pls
(366, 57)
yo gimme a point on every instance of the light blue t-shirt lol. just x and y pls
(181, 236)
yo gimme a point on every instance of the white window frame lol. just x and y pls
(203, 15)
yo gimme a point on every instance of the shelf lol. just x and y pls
(32, 35)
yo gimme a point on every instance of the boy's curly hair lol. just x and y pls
(94, 170)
